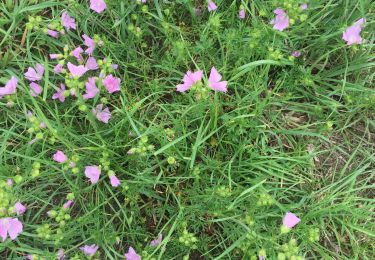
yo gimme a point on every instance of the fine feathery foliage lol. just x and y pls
(187, 129)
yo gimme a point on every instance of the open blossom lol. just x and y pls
(10, 87)
(52, 33)
(98, 5)
(19, 209)
(157, 241)
(58, 68)
(132, 255)
(91, 89)
(142, 1)
(211, 6)
(76, 53)
(101, 114)
(59, 157)
(76, 71)
(215, 83)
(91, 64)
(115, 182)
(35, 89)
(93, 173)
(190, 78)
(281, 20)
(67, 21)
(290, 220)
(111, 83)
(10, 226)
(242, 14)
(89, 250)
(59, 94)
(35, 74)
(352, 35)
(90, 43)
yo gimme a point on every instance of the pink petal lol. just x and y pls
(68, 204)
(93, 173)
(35, 74)
(132, 255)
(91, 89)
(157, 241)
(53, 33)
(15, 228)
(67, 21)
(10, 87)
(19, 209)
(111, 83)
(35, 89)
(89, 250)
(211, 6)
(98, 5)
(76, 71)
(58, 68)
(115, 182)
(90, 43)
(4, 225)
(290, 220)
(60, 94)
(91, 64)
(60, 157)
(242, 14)
(101, 114)
(77, 53)
(281, 20)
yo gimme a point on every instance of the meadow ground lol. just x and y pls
(117, 160)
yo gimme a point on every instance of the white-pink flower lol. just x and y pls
(93, 173)
(98, 5)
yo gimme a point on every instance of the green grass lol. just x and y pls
(298, 132)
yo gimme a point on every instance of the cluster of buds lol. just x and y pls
(35, 172)
(295, 10)
(34, 23)
(142, 148)
(223, 191)
(274, 54)
(188, 239)
(289, 251)
(38, 129)
(265, 200)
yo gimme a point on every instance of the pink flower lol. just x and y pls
(76, 53)
(242, 14)
(89, 250)
(61, 254)
(52, 33)
(190, 78)
(67, 21)
(11, 226)
(214, 81)
(10, 87)
(111, 83)
(58, 68)
(352, 34)
(157, 241)
(76, 71)
(35, 74)
(211, 6)
(19, 209)
(91, 64)
(59, 157)
(91, 89)
(296, 54)
(290, 220)
(97, 5)
(132, 255)
(60, 94)
(9, 182)
(101, 114)
(115, 182)
(303, 6)
(142, 1)
(90, 43)
(281, 21)
(54, 56)
(35, 89)
(93, 173)
(68, 204)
